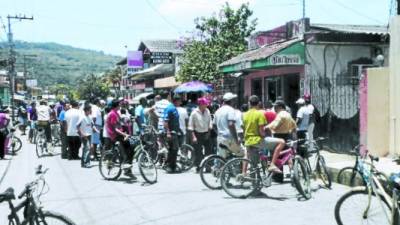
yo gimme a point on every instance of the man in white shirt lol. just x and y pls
(302, 121)
(159, 108)
(226, 122)
(72, 117)
(312, 121)
(183, 120)
(43, 114)
(85, 128)
(200, 125)
(98, 123)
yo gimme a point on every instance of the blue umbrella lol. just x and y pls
(193, 86)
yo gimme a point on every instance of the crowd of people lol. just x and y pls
(220, 127)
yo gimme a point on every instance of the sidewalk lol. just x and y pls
(335, 162)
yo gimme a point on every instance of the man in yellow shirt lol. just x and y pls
(253, 124)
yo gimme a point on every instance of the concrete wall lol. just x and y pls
(377, 110)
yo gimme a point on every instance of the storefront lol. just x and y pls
(270, 72)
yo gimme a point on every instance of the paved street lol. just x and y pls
(87, 199)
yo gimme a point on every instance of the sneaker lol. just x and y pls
(129, 174)
(274, 169)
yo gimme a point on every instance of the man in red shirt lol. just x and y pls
(116, 133)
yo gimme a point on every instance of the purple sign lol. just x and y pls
(135, 59)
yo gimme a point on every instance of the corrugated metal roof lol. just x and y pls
(163, 45)
(344, 28)
(260, 53)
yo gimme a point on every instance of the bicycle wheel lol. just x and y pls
(354, 208)
(350, 176)
(40, 146)
(210, 171)
(323, 172)
(110, 165)
(53, 218)
(185, 158)
(16, 144)
(147, 168)
(301, 178)
(240, 178)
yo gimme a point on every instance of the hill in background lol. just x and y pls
(58, 64)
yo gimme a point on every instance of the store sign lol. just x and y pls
(134, 61)
(31, 83)
(285, 60)
(139, 86)
(242, 66)
(161, 57)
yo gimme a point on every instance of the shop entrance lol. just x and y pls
(284, 87)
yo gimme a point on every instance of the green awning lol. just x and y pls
(285, 53)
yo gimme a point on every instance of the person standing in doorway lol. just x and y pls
(72, 117)
(200, 124)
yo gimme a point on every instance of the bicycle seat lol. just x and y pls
(7, 195)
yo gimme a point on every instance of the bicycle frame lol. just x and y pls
(375, 187)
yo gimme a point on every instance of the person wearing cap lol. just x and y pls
(44, 116)
(283, 126)
(312, 121)
(227, 124)
(302, 121)
(172, 130)
(199, 126)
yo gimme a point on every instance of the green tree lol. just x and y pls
(92, 86)
(216, 40)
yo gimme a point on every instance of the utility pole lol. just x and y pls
(26, 71)
(304, 8)
(398, 7)
(12, 59)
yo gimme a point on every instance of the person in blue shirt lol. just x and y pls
(172, 130)
(139, 113)
(63, 131)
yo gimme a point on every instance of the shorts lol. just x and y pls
(231, 147)
(268, 143)
(95, 138)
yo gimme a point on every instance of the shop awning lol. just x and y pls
(152, 72)
(167, 82)
(284, 53)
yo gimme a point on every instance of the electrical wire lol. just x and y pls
(162, 16)
(356, 12)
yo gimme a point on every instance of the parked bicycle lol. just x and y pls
(31, 206)
(157, 141)
(111, 162)
(351, 175)
(15, 142)
(319, 169)
(370, 204)
(211, 168)
(55, 133)
(241, 177)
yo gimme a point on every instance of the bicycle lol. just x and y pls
(371, 202)
(241, 178)
(15, 142)
(42, 146)
(110, 164)
(157, 141)
(211, 167)
(350, 175)
(32, 210)
(55, 133)
(319, 170)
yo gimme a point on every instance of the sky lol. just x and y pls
(118, 25)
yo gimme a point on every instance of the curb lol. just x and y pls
(347, 175)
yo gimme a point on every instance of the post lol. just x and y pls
(398, 7)
(11, 59)
(304, 8)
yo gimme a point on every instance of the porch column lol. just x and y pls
(394, 88)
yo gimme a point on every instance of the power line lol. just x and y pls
(162, 16)
(356, 12)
